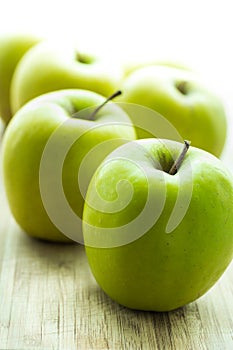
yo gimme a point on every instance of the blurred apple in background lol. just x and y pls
(158, 236)
(52, 66)
(181, 97)
(12, 49)
(44, 147)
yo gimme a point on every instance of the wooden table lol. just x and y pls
(49, 300)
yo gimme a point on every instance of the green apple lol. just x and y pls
(158, 224)
(12, 49)
(49, 67)
(51, 148)
(183, 99)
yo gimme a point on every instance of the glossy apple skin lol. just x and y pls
(161, 271)
(12, 49)
(24, 143)
(198, 114)
(50, 67)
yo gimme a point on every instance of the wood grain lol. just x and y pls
(49, 300)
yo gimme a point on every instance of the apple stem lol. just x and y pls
(93, 114)
(176, 165)
(110, 98)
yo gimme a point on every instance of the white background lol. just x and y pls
(198, 33)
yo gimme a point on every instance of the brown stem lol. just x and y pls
(93, 114)
(176, 165)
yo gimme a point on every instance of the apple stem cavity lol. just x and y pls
(110, 98)
(182, 86)
(82, 58)
(176, 165)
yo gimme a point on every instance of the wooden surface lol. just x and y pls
(49, 300)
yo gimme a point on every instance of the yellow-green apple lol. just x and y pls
(184, 99)
(12, 49)
(51, 67)
(158, 224)
(51, 148)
